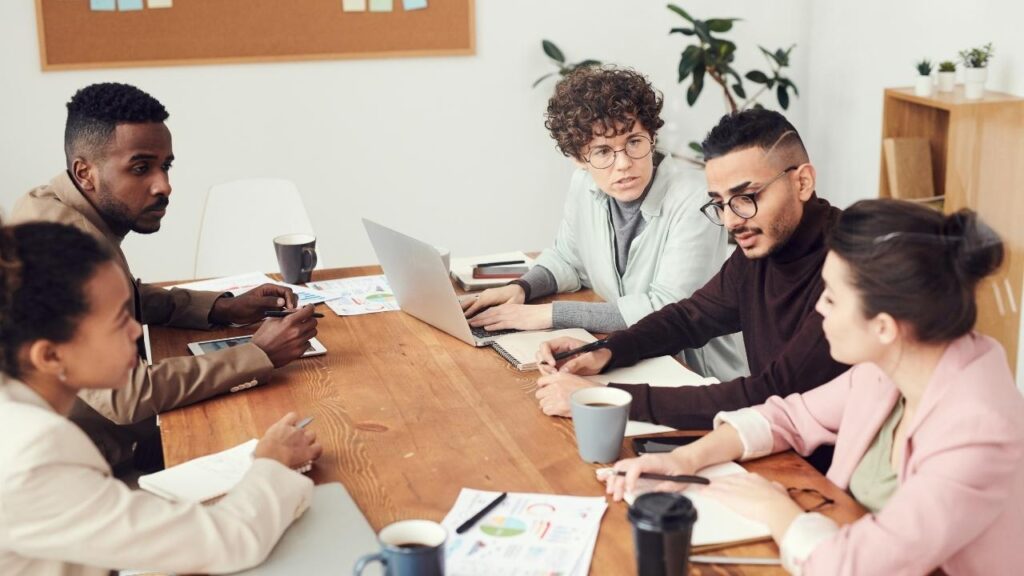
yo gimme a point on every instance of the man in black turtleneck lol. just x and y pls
(761, 187)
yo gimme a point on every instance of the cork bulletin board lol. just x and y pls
(74, 36)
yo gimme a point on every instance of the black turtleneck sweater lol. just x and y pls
(771, 300)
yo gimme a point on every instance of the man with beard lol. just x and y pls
(118, 153)
(762, 189)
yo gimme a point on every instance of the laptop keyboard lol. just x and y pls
(481, 333)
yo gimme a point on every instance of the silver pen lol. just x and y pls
(735, 560)
(304, 422)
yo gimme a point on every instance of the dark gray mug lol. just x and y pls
(296, 256)
(599, 416)
(409, 548)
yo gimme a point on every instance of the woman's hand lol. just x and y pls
(288, 444)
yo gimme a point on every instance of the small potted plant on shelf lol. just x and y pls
(947, 76)
(923, 87)
(975, 61)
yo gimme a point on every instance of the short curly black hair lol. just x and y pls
(43, 270)
(95, 111)
(600, 101)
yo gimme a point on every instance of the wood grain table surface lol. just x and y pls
(409, 415)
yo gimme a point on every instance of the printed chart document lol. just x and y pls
(358, 295)
(527, 534)
(663, 371)
(716, 523)
(242, 283)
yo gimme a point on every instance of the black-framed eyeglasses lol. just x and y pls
(809, 499)
(637, 147)
(743, 205)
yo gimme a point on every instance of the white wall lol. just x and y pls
(453, 149)
(860, 48)
(449, 149)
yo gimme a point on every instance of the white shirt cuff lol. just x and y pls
(802, 537)
(754, 430)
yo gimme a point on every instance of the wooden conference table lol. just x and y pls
(408, 416)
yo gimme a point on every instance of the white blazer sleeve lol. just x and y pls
(59, 503)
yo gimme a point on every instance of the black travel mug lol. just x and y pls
(662, 524)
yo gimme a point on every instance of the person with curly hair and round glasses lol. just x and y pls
(631, 230)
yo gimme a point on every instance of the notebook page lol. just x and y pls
(521, 348)
(662, 371)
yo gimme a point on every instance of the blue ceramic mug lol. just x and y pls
(409, 548)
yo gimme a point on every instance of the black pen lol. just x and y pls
(284, 313)
(682, 478)
(504, 263)
(476, 517)
(582, 349)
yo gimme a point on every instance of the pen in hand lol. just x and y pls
(581, 350)
(304, 422)
(680, 478)
(284, 313)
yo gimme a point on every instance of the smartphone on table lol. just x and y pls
(661, 445)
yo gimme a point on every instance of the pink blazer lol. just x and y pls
(960, 501)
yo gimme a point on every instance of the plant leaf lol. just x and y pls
(757, 76)
(769, 54)
(738, 89)
(721, 24)
(789, 83)
(696, 86)
(688, 61)
(543, 78)
(702, 31)
(783, 96)
(587, 62)
(680, 11)
(696, 147)
(552, 51)
(684, 31)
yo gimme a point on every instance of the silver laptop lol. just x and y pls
(421, 285)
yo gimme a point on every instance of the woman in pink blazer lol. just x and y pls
(928, 426)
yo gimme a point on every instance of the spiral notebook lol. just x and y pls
(206, 477)
(520, 348)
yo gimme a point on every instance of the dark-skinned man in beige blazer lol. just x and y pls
(119, 154)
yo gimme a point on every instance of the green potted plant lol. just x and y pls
(554, 53)
(947, 75)
(975, 61)
(923, 86)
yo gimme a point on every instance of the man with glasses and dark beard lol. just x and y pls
(119, 155)
(761, 189)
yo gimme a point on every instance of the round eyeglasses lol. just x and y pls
(637, 148)
(743, 205)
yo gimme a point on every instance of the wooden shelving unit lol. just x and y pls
(977, 149)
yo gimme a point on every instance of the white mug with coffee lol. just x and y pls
(599, 416)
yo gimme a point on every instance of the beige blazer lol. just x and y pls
(166, 384)
(61, 512)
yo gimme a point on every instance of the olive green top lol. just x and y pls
(874, 481)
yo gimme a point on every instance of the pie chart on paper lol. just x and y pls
(503, 527)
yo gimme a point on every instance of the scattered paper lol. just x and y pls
(381, 5)
(126, 5)
(527, 534)
(358, 295)
(102, 5)
(160, 3)
(414, 4)
(242, 283)
(353, 5)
